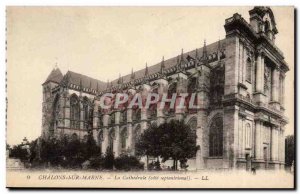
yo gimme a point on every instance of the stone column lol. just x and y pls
(244, 137)
(144, 119)
(117, 144)
(130, 138)
(275, 89)
(258, 138)
(230, 134)
(282, 145)
(162, 89)
(116, 148)
(96, 124)
(81, 115)
(283, 91)
(202, 138)
(241, 136)
(105, 133)
(130, 130)
(279, 145)
(259, 96)
(202, 128)
(275, 85)
(181, 90)
(260, 68)
(273, 143)
(67, 111)
(179, 112)
(160, 114)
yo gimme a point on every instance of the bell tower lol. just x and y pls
(51, 82)
(263, 22)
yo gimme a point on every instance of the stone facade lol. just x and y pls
(239, 83)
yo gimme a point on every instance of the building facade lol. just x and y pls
(239, 82)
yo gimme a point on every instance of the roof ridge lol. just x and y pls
(199, 50)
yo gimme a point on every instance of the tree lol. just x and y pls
(178, 142)
(19, 152)
(109, 159)
(174, 140)
(127, 162)
(149, 144)
(90, 148)
(289, 150)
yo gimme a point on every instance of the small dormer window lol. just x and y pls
(249, 70)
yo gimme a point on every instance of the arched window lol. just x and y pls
(123, 139)
(216, 137)
(87, 113)
(136, 135)
(152, 109)
(249, 70)
(55, 115)
(193, 125)
(171, 90)
(74, 112)
(217, 82)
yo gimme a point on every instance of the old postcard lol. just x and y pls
(150, 97)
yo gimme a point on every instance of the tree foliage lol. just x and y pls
(19, 152)
(174, 140)
(289, 150)
(127, 162)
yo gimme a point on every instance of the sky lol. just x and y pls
(102, 42)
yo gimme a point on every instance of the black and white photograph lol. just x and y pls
(150, 97)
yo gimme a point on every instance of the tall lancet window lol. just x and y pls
(249, 70)
(86, 113)
(216, 137)
(74, 112)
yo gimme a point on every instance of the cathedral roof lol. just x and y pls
(84, 81)
(55, 76)
(77, 80)
(211, 48)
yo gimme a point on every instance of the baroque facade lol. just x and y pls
(239, 83)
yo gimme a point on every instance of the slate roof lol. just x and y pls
(86, 82)
(55, 76)
(211, 48)
(75, 80)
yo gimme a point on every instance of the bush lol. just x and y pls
(125, 162)
(154, 166)
(97, 163)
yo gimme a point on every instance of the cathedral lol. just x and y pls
(240, 87)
